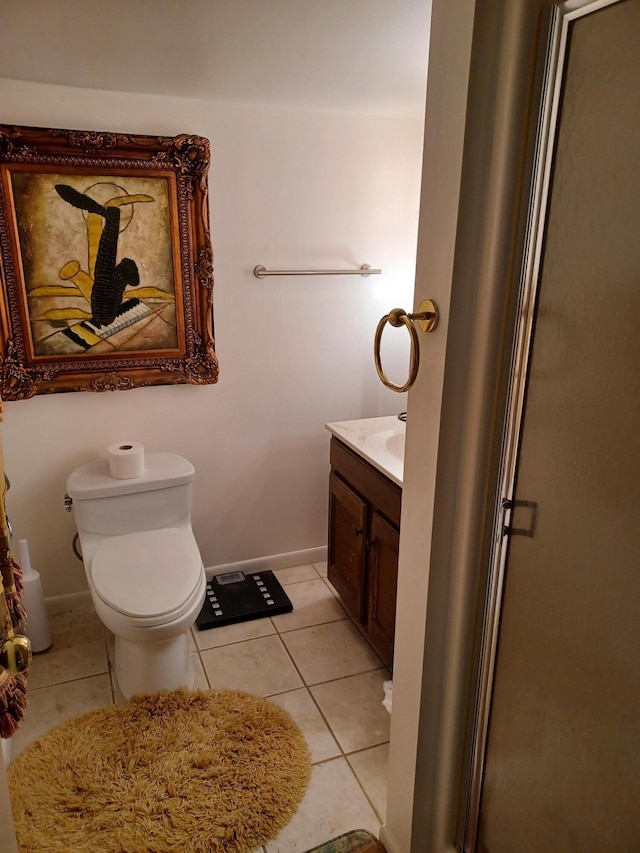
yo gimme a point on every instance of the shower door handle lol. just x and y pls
(530, 529)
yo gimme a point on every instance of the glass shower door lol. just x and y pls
(562, 762)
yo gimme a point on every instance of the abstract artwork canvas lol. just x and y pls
(107, 266)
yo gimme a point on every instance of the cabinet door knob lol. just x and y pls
(358, 533)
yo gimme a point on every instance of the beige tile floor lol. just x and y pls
(314, 662)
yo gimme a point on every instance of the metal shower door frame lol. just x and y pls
(562, 16)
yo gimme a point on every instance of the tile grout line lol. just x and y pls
(66, 681)
(201, 662)
(364, 790)
(314, 625)
(343, 754)
(311, 696)
(344, 677)
(305, 686)
(378, 816)
(274, 633)
(110, 669)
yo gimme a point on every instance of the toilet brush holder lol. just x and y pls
(37, 624)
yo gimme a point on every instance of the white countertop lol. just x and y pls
(378, 440)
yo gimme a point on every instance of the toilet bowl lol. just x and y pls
(143, 566)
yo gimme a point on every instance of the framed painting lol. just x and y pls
(105, 260)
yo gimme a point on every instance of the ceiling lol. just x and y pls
(361, 55)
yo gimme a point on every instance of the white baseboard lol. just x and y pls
(275, 561)
(71, 601)
(81, 600)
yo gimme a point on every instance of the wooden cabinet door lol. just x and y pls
(347, 553)
(382, 570)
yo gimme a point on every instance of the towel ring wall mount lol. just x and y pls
(427, 318)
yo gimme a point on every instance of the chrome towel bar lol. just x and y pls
(365, 269)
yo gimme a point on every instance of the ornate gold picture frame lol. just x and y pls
(106, 263)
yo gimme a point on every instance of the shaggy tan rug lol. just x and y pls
(176, 771)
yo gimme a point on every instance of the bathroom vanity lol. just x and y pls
(365, 495)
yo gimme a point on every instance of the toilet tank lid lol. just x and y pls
(93, 480)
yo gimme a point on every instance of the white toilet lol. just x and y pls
(143, 566)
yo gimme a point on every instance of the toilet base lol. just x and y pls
(152, 667)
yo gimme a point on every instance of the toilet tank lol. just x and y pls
(160, 498)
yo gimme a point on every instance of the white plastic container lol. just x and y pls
(37, 624)
(6, 752)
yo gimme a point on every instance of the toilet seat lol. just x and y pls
(149, 576)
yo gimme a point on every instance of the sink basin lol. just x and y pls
(395, 445)
(378, 440)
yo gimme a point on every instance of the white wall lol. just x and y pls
(288, 189)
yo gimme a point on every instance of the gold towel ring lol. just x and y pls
(427, 318)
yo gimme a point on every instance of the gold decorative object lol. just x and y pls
(106, 263)
(15, 655)
(427, 318)
(15, 651)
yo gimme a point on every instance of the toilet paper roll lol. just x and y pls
(126, 459)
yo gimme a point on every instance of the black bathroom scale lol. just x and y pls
(238, 597)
